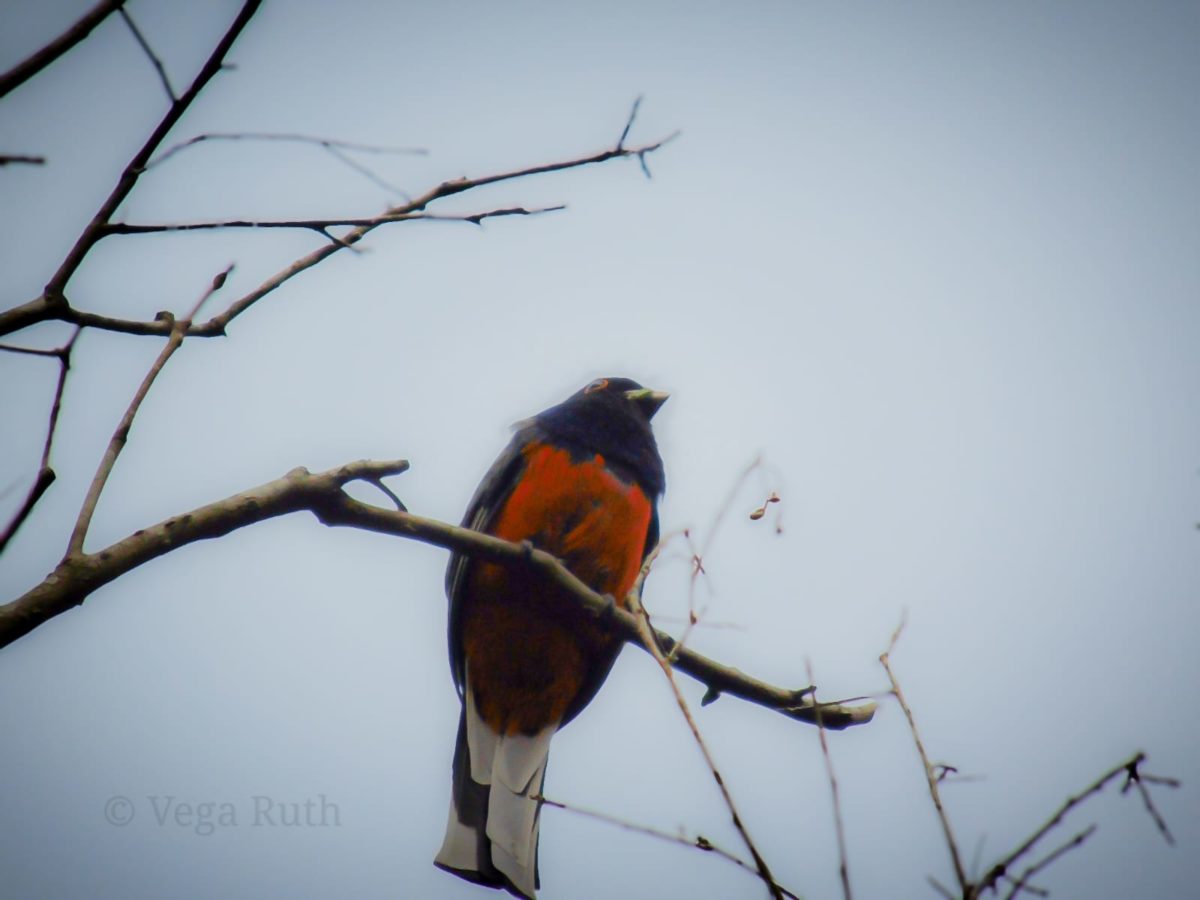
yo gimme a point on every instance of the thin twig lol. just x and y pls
(8, 159)
(149, 51)
(930, 773)
(699, 842)
(939, 887)
(46, 475)
(697, 566)
(323, 142)
(1022, 883)
(1136, 779)
(321, 224)
(117, 443)
(339, 150)
(650, 641)
(31, 351)
(366, 172)
(699, 556)
(839, 826)
(629, 122)
(27, 68)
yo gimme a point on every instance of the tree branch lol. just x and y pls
(649, 642)
(117, 443)
(46, 475)
(1133, 777)
(9, 159)
(322, 224)
(149, 51)
(129, 177)
(322, 142)
(1022, 883)
(77, 577)
(838, 824)
(930, 771)
(699, 842)
(27, 68)
(52, 305)
(339, 150)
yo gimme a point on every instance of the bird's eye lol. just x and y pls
(598, 385)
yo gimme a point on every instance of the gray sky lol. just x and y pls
(937, 264)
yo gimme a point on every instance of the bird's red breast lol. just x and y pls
(529, 651)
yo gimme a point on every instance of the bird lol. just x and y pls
(582, 481)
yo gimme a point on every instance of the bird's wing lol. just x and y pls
(489, 498)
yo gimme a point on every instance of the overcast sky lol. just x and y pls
(937, 265)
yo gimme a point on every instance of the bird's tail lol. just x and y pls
(492, 830)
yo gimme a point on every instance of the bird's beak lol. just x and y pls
(649, 401)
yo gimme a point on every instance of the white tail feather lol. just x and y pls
(511, 769)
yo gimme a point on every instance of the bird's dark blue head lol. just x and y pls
(611, 416)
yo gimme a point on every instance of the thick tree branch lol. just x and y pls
(80, 575)
(27, 68)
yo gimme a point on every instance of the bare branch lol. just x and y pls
(52, 305)
(699, 842)
(339, 150)
(629, 122)
(133, 170)
(1133, 777)
(41, 483)
(117, 443)
(46, 475)
(149, 51)
(27, 68)
(77, 577)
(8, 159)
(939, 887)
(445, 189)
(930, 771)
(1001, 868)
(1022, 883)
(39, 309)
(325, 143)
(839, 826)
(367, 172)
(1136, 779)
(650, 642)
(31, 351)
(322, 224)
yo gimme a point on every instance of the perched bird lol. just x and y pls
(580, 481)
